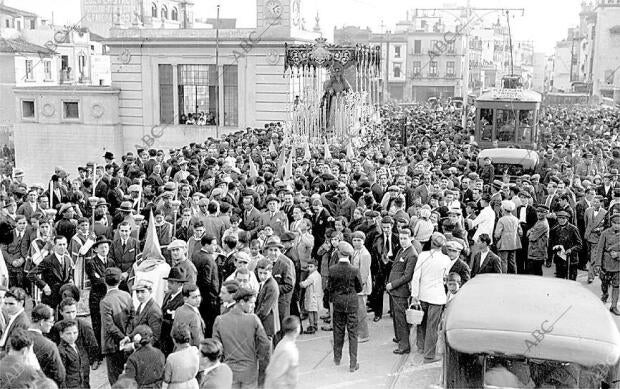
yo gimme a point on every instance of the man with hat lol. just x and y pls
(148, 312)
(429, 295)
(96, 267)
(251, 215)
(398, 287)
(172, 300)
(116, 312)
(66, 226)
(608, 261)
(178, 251)
(457, 265)
(594, 224)
(284, 273)
(526, 214)
(344, 283)
(508, 234)
(134, 193)
(273, 217)
(537, 241)
(564, 246)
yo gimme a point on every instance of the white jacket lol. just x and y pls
(427, 283)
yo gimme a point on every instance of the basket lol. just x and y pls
(414, 316)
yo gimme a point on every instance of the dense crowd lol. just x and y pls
(200, 266)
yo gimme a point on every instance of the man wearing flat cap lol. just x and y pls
(537, 242)
(564, 246)
(607, 260)
(453, 250)
(508, 234)
(284, 273)
(147, 311)
(344, 283)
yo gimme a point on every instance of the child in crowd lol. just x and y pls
(313, 288)
(454, 284)
(76, 366)
(255, 255)
(234, 229)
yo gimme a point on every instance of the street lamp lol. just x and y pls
(93, 200)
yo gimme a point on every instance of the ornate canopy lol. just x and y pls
(323, 55)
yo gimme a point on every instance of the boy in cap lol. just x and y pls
(312, 296)
(147, 312)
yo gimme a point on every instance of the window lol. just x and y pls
(417, 46)
(174, 14)
(28, 109)
(505, 125)
(7, 23)
(29, 72)
(417, 68)
(32, 24)
(450, 69)
(153, 10)
(396, 70)
(231, 98)
(18, 24)
(450, 46)
(47, 69)
(432, 69)
(198, 94)
(396, 51)
(166, 98)
(164, 12)
(486, 124)
(70, 110)
(82, 65)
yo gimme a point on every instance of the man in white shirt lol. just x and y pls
(428, 293)
(485, 221)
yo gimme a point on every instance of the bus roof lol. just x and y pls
(533, 317)
(527, 158)
(501, 94)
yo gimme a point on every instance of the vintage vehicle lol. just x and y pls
(511, 161)
(530, 332)
(507, 117)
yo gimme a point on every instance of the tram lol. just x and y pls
(507, 117)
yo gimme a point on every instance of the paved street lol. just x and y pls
(379, 368)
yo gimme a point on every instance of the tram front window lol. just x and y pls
(526, 121)
(505, 125)
(486, 124)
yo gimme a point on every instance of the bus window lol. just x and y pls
(486, 124)
(505, 125)
(526, 120)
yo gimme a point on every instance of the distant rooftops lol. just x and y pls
(15, 12)
(21, 46)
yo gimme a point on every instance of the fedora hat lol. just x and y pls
(177, 274)
(125, 207)
(273, 241)
(108, 155)
(65, 207)
(101, 239)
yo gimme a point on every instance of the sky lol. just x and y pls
(544, 21)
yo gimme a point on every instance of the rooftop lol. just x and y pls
(19, 46)
(15, 12)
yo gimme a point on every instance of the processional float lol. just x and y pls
(337, 92)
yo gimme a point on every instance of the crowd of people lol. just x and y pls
(202, 265)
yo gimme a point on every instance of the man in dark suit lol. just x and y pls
(44, 349)
(267, 299)
(458, 266)
(344, 283)
(580, 212)
(274, 217)
(116, 315)
(379, 188)
(399, 289)
(485, 261)
(13, 310)
(208, 282)
(188, 314)
(125, 251)
(96, 267)
(284, 274)
(384, 247)
(148, 312)
(172, 300)
(53, 272)
(321, 220)
(16, 252)
(251, 216)
(30, 206)
(527, 218)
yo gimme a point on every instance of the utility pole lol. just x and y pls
(468, 10)
(217, 71)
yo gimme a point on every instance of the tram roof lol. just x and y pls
(521, 95)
